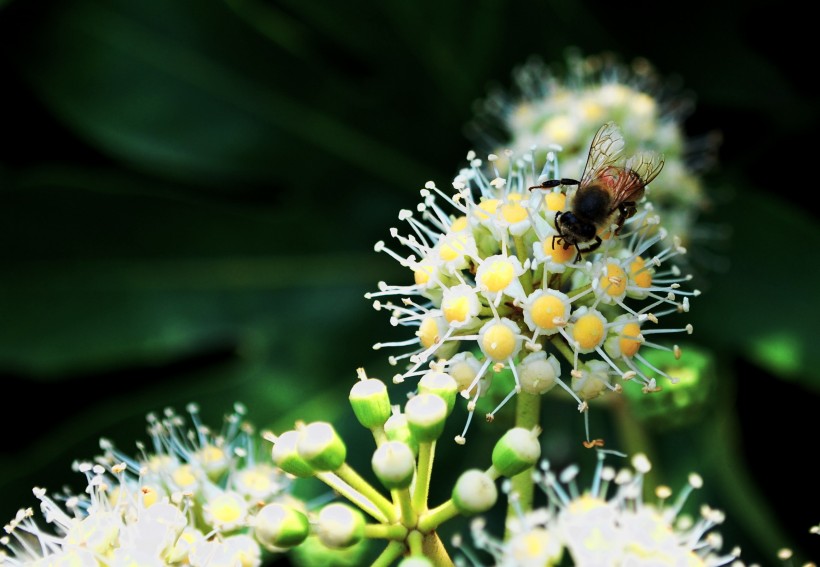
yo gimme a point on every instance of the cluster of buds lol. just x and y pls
(405, 441)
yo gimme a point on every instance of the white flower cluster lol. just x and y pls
(499, 284)
(192, 499)
(566, 107)
(594, 528)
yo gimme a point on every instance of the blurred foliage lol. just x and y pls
(192, 189)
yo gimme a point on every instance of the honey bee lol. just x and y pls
(610, 184)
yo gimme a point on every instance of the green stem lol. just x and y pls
(424, 469)
(408, 514)
(415, 541)
(521, 253)
(344, 489)
(391, 553)
(435, 550)
(527, 415)
(379, 435)
(351, 477)
(434, 518)
(562, 347)
(634, 437)
(396, 532)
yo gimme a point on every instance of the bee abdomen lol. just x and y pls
(592, 203)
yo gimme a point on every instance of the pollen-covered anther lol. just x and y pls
(651, 317)
(489, 417)
(532, 347)
(575, 373)
(629, 375)
(617, 388)
(460, 440)
(593, 444)
(583, 406)
(651, 388)
(689, 329)
(676, 351)
(498, 367)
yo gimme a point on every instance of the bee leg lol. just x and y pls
(591, 247)
(550, 183)
(625, 210)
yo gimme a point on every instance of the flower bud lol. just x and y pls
(286, 457)
(277, 526)
(426, 415)
(475, 492)
(339, 526)
(516, 451)
(396, 429)
(370, 402)
(440, 384)
(394, 464)
(321, 447)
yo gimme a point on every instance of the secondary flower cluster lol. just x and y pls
(194, 497)
(497, 286)
(402, 462)
(609, 523)
(565, 108)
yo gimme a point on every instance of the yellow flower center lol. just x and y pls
(589, 331)
(486, 208)
(613, 281)
(546, 309)
(498, 342)
(558, 254)
(422, 275)
(629, 341)
(555, 201)
(456, 309)
(641, 276)
(226, 509)
(498, 275)
(513, 213)
(452, 249)
(183, 476)
(459, 224)
(428, 332)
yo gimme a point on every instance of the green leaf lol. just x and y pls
(764, 306)
(187, 91)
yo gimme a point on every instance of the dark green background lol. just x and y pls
(191, 191)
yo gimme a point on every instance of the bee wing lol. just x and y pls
(628, 183)
(604, 151)
(646, 164)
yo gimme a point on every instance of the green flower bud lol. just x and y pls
(286, 457)
(370, 401)
(396, 429)
(321, 447)
(339, 526)
(277, 526)
(516, 451)
(394, 464)
(426, 415)
(475, 492)
(440, 384)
